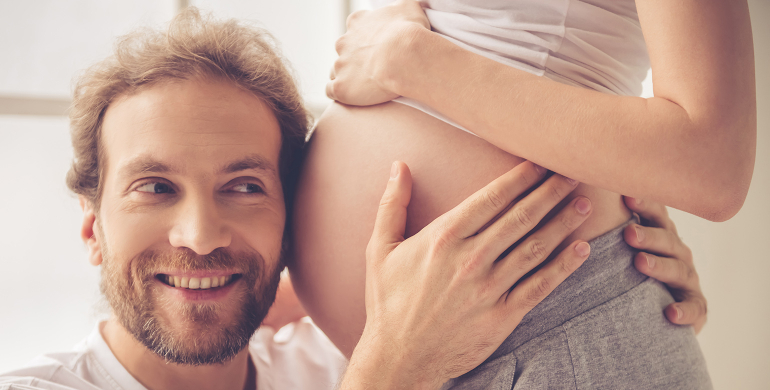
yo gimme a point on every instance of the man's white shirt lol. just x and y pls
(298, 356)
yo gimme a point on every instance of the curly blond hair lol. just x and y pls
(194, 45)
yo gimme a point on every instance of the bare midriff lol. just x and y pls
(346, 171)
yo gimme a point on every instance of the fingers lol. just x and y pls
(653, 212)
(537, 247)
(526, 214)
(692, 311)
(530, 292)
(487, 203)
(673, 272)
(353, 17)
(664, 242)
(330, 90)
(391, 216)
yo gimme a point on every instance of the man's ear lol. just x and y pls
(87, 232)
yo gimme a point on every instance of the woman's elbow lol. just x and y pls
(727, 165)
(726, 189)
(724, 206)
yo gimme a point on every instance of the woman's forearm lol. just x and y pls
(692, 150)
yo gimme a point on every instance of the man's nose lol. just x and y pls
(199, 227)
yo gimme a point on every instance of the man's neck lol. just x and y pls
(154, 372)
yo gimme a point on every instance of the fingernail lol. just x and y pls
(583, 249)
(393, 170)
(639, 234)
(583, 206)
(540, 170)
(571, 181)
(650, 261)
(678, 312)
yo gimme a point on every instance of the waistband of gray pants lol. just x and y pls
(607, 273)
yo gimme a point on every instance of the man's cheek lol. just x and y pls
(136, 232)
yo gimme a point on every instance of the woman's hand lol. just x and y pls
(667, 259)
(369, 49)
(440, 302)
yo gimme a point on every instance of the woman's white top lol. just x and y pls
(595, 44)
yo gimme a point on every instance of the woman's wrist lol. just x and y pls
(403, 58)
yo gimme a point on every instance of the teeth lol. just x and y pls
(198, 283)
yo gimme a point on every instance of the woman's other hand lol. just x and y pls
(369, 49)
(667, 259)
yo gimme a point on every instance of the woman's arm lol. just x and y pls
(691, 146)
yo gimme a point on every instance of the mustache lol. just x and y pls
(151, 262)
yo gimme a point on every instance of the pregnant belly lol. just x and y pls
(344, 176)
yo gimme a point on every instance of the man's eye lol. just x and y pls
(247, 188)
(156, 188)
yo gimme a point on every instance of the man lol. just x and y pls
(187, 145)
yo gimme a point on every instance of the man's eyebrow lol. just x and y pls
(255, 161)
(145, 164)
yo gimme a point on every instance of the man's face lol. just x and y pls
(191, 217)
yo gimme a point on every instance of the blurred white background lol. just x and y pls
(49, 292)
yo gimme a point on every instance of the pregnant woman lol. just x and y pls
(530, 80)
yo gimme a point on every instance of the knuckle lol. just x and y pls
(686, 253)
(336, 89)
(530, 176)
(557, 193)
(540, 289)
(566, 266)
(685, 272)
(339, 44)
(482, 252)
(537, 248)
(569, 222)
(387, 199)
(444, 238)
(663, 211)
(535, 253)
(672, 241)
(494, 199)
(703, 306)
(523, 217)
(353, 16)
(474, 263)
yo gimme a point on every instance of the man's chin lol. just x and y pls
(198, 334)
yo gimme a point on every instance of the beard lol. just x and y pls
(184, 332)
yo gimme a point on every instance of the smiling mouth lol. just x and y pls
(197, 283)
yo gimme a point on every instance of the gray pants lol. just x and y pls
(603, 328)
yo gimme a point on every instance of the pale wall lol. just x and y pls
(49, 291)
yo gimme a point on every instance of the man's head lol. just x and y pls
(187, 146)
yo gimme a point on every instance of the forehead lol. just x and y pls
(196, 123)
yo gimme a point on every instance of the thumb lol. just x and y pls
(390, 224)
